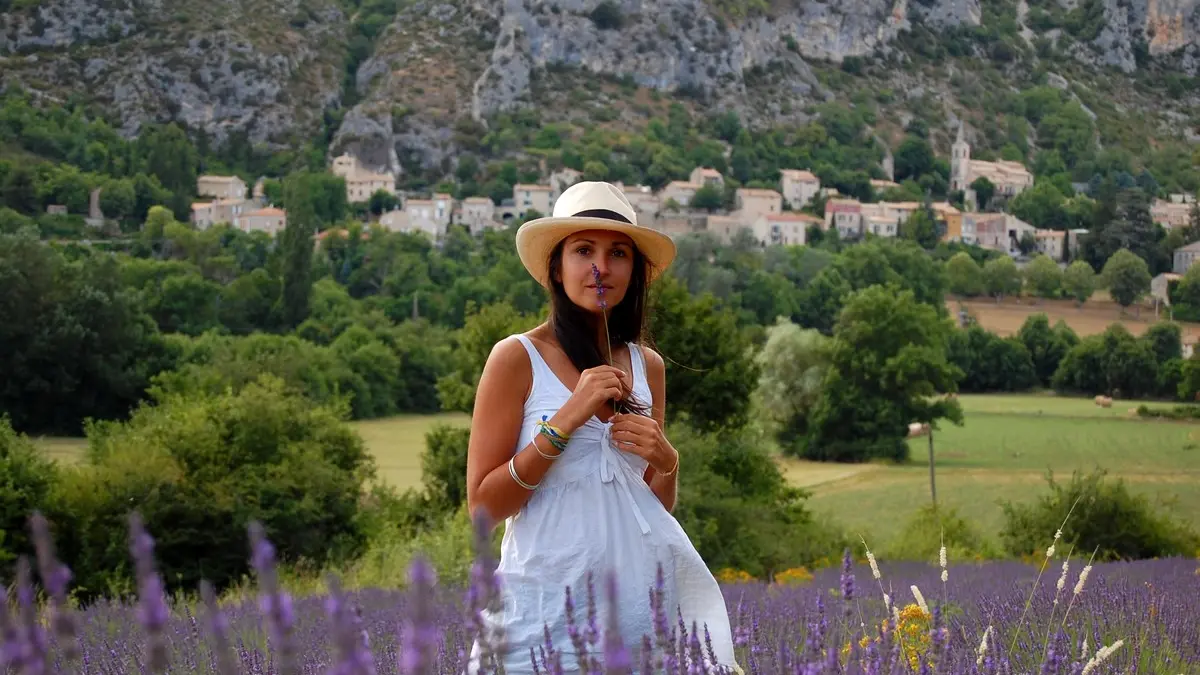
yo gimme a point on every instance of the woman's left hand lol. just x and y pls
(643, 437)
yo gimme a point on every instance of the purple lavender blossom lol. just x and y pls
(421, 635)
(55, 577)
(274, 604)
(218, 630)
(617, 658)
(153, 612)
(599, 287)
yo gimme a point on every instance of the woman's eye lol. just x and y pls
(619, 253)
(583, 250)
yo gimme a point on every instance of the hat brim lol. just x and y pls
(536, 240)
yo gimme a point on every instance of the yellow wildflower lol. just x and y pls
(794, 575)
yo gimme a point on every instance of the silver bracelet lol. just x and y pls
(539, 450)
(512, 471)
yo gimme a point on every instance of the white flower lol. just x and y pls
(874, 567)
(983, 646)
(1082, 580)
(942, 556)
(945, 576)
(1084, 651)
(887, 601)
(1101, 655)
(1062, 581)
(920, 599)
(1050, 551)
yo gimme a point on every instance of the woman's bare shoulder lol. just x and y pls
(653, 358)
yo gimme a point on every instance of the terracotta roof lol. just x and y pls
(710, 172)
(758, 192)
(541, 188)
(200, 205)
(1054, 234)
(269, 211)
(227, 179)
(799, 174)
(794, 217)
(477, 200)
(685, 184)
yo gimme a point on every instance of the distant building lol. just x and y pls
(1171, 215)
(532, 197)
(784, 229)
(1051, 243)
(680, 191)
(221, 187)
(207, 214)
(478, 214)
(431, 216)
(1010, 178)
(270, 220)
(846, 215)
(1185, 257)
(752, 203)
(799, 187)
(724, 227)
(362, 182)
(702, 176)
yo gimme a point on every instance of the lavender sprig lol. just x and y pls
(218, 630)
(421, 636)
(275, 605)
(617, 658)
(152, 603)
(55, 577)
(618, 406)
(354, 654)
(31, 645)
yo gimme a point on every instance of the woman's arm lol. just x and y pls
(664, 486)
(495, 424)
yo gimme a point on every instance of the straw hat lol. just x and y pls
(590, 206)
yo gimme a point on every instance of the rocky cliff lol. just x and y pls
(264, 68)
(444, 66)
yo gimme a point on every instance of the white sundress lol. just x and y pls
(593, 511)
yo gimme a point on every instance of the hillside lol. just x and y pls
(413, 85)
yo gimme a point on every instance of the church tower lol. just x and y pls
(960, 161)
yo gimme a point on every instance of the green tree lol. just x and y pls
(1047, 346)
(1114, 363)
(914, 158)
(984, 191)
(27, 479)
(1043, 276)
(990, 363)
(296, 244)
(473, 344)
(711, 372)
(1127, 277)
(1079, 281)
(793, 363)
(921, 227)
(964, 275)
(1001, 277)
(883, 376)
(708, 198)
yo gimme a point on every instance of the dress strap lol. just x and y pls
(537, 364)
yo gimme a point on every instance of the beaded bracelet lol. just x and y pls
(557, 437)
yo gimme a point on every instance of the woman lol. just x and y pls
(584, 485)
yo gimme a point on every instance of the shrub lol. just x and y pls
(728, 480)
(199, 468)
(444, 467)
(928, 528)
(26, 481)
(1118, 525)
(607, 16)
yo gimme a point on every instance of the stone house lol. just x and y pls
(269, 219)
(395, 220)
(207, 214)
(532, 197)
(702, 176)
(752, 203)
(724, 227)
(799, 187)
(645, 203)
(478, 214)
(680, 191)
(784, 229)
(1051, 243)
(221, 187)
(1172, 214)
(1185, 256)
(846, 215)
(362, 182)
(431, 216)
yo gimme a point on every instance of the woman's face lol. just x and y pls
(611, 253)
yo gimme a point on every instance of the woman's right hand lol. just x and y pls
(596, 387)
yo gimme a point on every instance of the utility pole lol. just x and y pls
(932, 481)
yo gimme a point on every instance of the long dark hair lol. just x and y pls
(575, 328)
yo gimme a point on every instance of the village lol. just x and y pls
(773, 217)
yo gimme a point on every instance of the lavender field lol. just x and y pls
(1058, 616)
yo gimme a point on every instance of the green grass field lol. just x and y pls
(1002, 452)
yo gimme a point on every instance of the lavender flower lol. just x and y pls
(152, 603)
(847, 579)
(32, 650)
(218, 629)
(421, 637)
(55, 577)
(11, 646)
(616, 655)
(354, 653)
(275, 604)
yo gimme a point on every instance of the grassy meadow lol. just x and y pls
(1002, 452)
